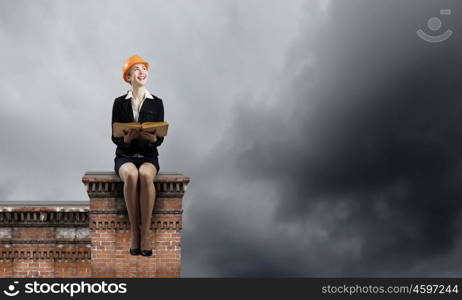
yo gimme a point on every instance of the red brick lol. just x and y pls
(57, 251)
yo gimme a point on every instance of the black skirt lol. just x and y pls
(137, 161)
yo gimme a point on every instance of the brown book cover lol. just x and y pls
(160, 127)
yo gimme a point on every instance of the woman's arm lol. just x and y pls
(119, 141)
(160, 139)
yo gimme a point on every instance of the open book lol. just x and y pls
(160, 127)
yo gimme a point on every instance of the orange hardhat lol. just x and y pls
(132, 60)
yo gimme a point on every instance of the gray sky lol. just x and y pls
(327, 138)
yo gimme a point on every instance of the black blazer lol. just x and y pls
(152, 110)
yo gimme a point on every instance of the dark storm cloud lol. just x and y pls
(362, 150)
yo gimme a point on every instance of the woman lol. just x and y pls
(136, 161)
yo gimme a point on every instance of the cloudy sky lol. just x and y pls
(327, 134)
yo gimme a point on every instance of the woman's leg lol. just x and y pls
(147, 172)
(129, 175)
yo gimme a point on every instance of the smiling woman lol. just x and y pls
(136, 160)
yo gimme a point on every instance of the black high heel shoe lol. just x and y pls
(135, 251)
(146, 252)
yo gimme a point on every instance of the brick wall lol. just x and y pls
(91, 238)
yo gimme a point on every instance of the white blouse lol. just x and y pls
(136, 113)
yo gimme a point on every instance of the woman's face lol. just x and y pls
(138, 75)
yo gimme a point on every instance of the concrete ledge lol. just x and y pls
(33, 204)
(102, 184)
(103, 176)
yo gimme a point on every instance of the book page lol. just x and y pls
(117, 128)
(160, 127)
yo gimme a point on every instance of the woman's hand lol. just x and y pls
(130, 135)
(148, 136)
